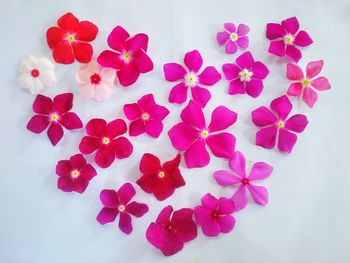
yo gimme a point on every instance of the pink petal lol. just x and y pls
(174, 71)
(286, 140)
(143, 62)
(78, 161)
(246, 60)
(277, 48)
(294, 53)
(321, 83)
(209, 76)
(225, 178)
(109, 198)
(55, 133)
(121, 147)
(71, 121)
(65, 184)
(125, 223)
(291, 25)
(107, 215)
(294, 72)
(282, 106)
(197, 155)
(193, 60)
(202, 214)
(236, 87)
(154, 128)
(182, 136)
(150, 164)
(63, 168)
(137, 127)
(221, 118)
(125, 193)
(63, 103)
(260, 171)
(238, 164)
(183, 224)
(240, 198)
(116, 39)
(211, 228)
(128, 76)
(297, 123)
(136, 209)
(254, 87)
(110, 59)
(38, 123)
(231, 47)
(159, 112)
(226, 223)
(266, 137)
(260, 71)
(242, 29)
(209, 201)
(303, 39)
(259, 194)
(146, 102)
(89, 145)
(42, 105)
(231, 71)
(226, 206)
(263, 116)
(222, 145)
(164, 215)
(295, 89)
(96, 127)
(230, 27)
(137, 42)
(222, 37)
(193, 115)
(88, 172)
(309, 97)
(178, 93)
(104, 157)
(314, 68)
(243, 42)
(156, 235)
(116, 128)
(200, 95)
(274, 31)
(132, 111)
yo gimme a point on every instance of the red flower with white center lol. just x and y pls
(54, 114)
(105, 140)
(69, 40)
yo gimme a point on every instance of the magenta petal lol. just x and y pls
(282, 106)
(174, 71)
(182, 136)
(294, 53)
(291, 25)
(297, 123)
(314, 68)
(159, 112)
(63, 168)
(231, 71)
(156, 235)
(125, 223)
(78, 161)
(294, 72)
(274, 30)
(221, 118)
(107, 215)
(147, 102)
(164, 215)
(231, 47)
(209, 76)
(238, 164)
(259, 194)
(63, 103)
(137, 42)
(116, 39)
(128, 76)
(266, 137)
(200, 95)
(260, 71)
(321, 83)
(109, 198)
(243, 42)
(115, 128)
(260, 171)
(55, 133)
(154, 128)
(242, 29)
(225, 178)
(197, 155)
(222, 37)
(137, 127)
(236, 87)
(65, 184)
(110, 59)
(42, 105)
(277, 48)
(211, 228)
(254, 87)
(230, 27)
(222, 145)
(132, 111)
(263, 116)
(104, 157)
(193, 115)
(71, 121)
(209, 201)
(303, 39)
(178, 93)
(309, 96)
(226, 223)
(80, 185)
(286, 140)
(193, 60)
(121, 147)
(38, 123)
(226, 206)
(202, 214)
(125, 193)
(295, 89)
(245, 60)
(89, 145)
(143, 62)
(136, 209)
(240, 198)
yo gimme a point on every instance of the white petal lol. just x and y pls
(43, 64)
(83, 74)
(37, 86)
(103, 92)
(87, 90)
(25, 81)
(48, 78)
(28, 63)
(108, 75)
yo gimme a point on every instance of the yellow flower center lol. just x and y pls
(70, 38)
(145, 116)
(126, 57)
(121, 208)
(288, 39)
(306, 82)
(245, 75)
(191, 79)
(204, 134)
(161, 174)
(74, 174)
(54, 117)
(234, 36)
(105, 140)
(280, 124)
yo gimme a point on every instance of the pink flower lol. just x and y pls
(105, 140)
(275, 124)
(172, 230)
(305, 85)
(54, 114)
(190, 79)
(239, 178)
(231, 37)
(285, 38)
(214, 216)
(145, 116)
(191, 135)
(95, 81)
(74, 174)
(119, 203)
(246, 75)
(130, 58)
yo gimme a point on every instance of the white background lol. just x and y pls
(307, 218)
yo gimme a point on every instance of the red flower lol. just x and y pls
(54, 114)
(74, 174)
(105, 142)
(69, 39)
(160, 180)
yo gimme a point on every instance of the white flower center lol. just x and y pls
(245, 75)
(191, 79)
(234, 36)
(288, 39)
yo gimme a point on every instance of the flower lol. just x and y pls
(232, 37)
(130, 58)
(54, 114)
(246, 75)
(145, 116)
(95, 81)
(239, 178)
(119, 203)
(74, 174)
(160, 180)
(190, 79)
(172, 230)
(69, 40)
(105, 140)
(36, 74)
(214, 216)
(285, 38)
(276, 124)
(305, 85)
(191, 135)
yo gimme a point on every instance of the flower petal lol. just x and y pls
(314, 68)
(294, 53)
(266, 137)
(55, 133)
(116, 128)
(259, 194)
(63, 53)
(71, 121)
(254, 87)
(222, 37)
(286, 140)
(277, 48)
(294, 72)
(136, 209)
(149, 164)
(96, 127)
(263, 116)
(238, 164)
(107, 215)
(243, 42)
(128, 76)
(184, 226)
(211, 228)
(42, 105)
(110, 59)
(159, 112)
(104, 157)
(246, 60)
(231, 71)
(226, 223)
(259, 69)
(121, 147)
(297, 123)
(225, 178)
(193, 60)
(63, 103)
(202, 214)
(143, 62)
(222, 145)
(200, 95)
(54, 36)
(137, 127)
(154, 128)
(236, 87)
(231, 47)
(197, 155)
(182, 136)
(242, 29)
(68, 22)
(137, 42)
(125, 223)
(109, 198)
(226, 206)
(303, 39)
(209, 76)
(221, 118)
(230, 27)
(86, 31)
(321, 83)
(193, 115)
(132, 111)
(63, 168)
(178, 93)
(146, 102)
(240, 198)
(164, 215)
(125, 193)
(65, 184)
(116, 39)
(89, 145)
(291, 25)
(274, 30)
(38, 123)
(309, 96)
(209, 201)
(295, 89)
(282, 106)
(174, 71)
(260, 171)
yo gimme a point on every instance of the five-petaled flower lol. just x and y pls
(276, 124)
(118, 202)
(54, 114)
(246, 75)
(238, 177)
(69, 40)
(145, 116)
(232, 37)
(106, 140)
(285, 38)
(157, 179)
(191, 79)
(191, 135)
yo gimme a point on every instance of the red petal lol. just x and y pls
(64, 168)
(122, 147)
(104, 157)
(54, 36)
(65, 184)
(42, 105)
(88, 172)
(89, 145)
(96, 127)
(116, 128)
(150, 164)
(77, 161)
(68, 22)
(82, 51)
(38, 123)
(55, 133)
(137, 209)
(63, 53)
(128, 75)
(71, 121)
(182, 221)
(86, 31)
(63, 103)
(80, 185)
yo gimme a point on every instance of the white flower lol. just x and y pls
(36, 73)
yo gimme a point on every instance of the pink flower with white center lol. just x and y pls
(232, 37)
(214, 216)
(191, 79)
(275, 124)
(246, 76)
(145, 116)
(286, 38)
(95, 81)
(192, 135)
(238, 177)
(306, 84)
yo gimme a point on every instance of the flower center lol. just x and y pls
(245, 181)
(169, 227)
(121, 208)
(161, 174)
(214, 214)
(53, 117)
(234, 36)
(106, 140)
(288, 39)
(145, 116)
(306, 82)
(245, 75)
(35, 73)
(126, 57)
(95, 79)
(191, 79)
(74, 174)
(280, 124)
(70, 38)
(204, 134)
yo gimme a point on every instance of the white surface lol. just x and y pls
(307, 218)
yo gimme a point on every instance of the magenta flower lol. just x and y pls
(119, 203)
(192, 135)
(246, 75)
(214, 216)
(145, 116)
(172, 230)
(74, 174)
(232, 37)
(276, 124)
(306, 85)
(191, 79)
(286, 38)
(239, 178)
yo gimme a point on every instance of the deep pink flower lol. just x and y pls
(119, 203)
(191, 79)
(145, 116)
(276, 124)
(54, 114)
(214, 216)
(172, 230)
(286, 38)
(246, 75)
(232, 37)
(306, 85)
(106, 140)
(74, 174)
(239, 178)
(191, 135)
(130, 58)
